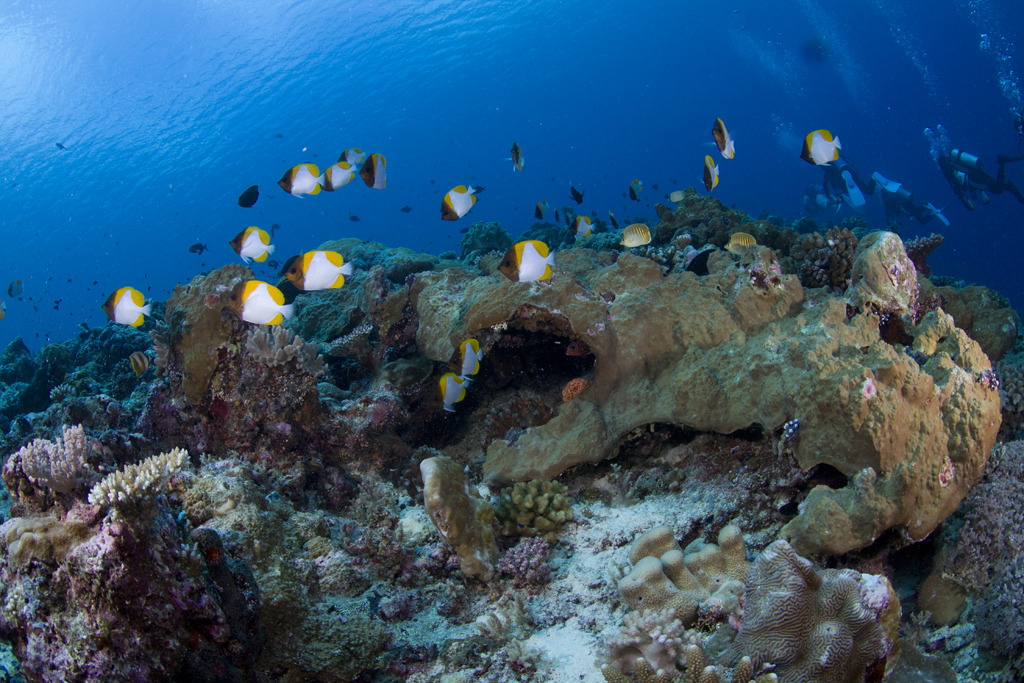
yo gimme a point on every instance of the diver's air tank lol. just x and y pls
(966, 160)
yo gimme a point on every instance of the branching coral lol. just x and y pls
(278, 346)
(655, 636)
(57, 465)
(138, 483)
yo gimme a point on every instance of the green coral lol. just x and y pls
(533, 508)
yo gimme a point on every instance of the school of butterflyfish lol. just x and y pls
(262, 303)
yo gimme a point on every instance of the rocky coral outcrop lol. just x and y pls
(732, 350)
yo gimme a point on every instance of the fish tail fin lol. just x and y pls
(145, 309)
(271, 248)
(286, 311)
(346, 269)
(839, 145)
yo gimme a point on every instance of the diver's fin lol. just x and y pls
(853, 193)
(887, 185)
(937, 212)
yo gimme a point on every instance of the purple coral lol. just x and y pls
(527, 563)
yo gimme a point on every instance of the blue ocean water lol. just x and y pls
(168, 110)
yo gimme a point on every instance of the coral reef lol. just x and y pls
(461, 517)
(816, 625)
(534, 508)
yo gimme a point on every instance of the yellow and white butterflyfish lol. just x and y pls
(259, 303)
(316, 270)
(527, 261)
(457, 203)
(301, 179)
(337, 175)
(820, 148)
(373, 171)
(581, 226)
(710, 173)
(636, 186)
(471, 357)
(126, 306)
(353, 155)
(722, 138)
(252, 243)
(452, 390)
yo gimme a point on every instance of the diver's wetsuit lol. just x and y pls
(969, 180)
(900, 203)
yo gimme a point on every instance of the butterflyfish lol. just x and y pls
(739, 243)
(126, 306)
(517, 157)
(452, 390)
(527, 261)
(710, 173)
(541, 210)
(724, 141)
(337, 175)
(676, 196)
(257, 302)
(457, 202)
(372, 171)
(636, 235)
(575, 194)
(15, 289)
(635, 187)
(316, 270)
(252, 243)
(140, 363)
(301, 179)
(581, 226)
(611, 217)
(471, 357)
(820, 148)
(249, 197)
(353, 155)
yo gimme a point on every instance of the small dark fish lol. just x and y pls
(272, 264)
(354, 218)
(249, 197)
(699, 264)
(575, 194)
(406, 209)
(56, 304)
(274, 228)
(654, 186)
(278, 135)
(198, 248)
(557, 219)
(15, 289)
(614, 222)
(60, 145)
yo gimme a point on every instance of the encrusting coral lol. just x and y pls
(462, 518)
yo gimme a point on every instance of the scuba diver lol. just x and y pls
(899, 202)
(816, 201)
(843, 183)
(971, 182)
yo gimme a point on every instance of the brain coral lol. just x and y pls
(717, 353)
(827, 626)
